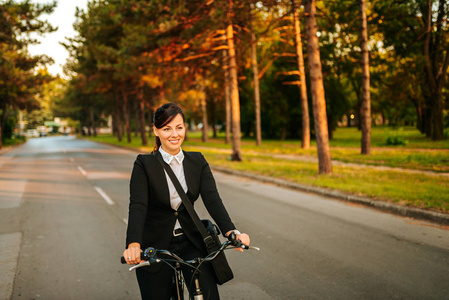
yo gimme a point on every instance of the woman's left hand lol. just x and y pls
(242, 237)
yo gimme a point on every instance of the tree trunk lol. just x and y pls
(365, 110)
(419, 124)
(126, 116)
(435, 73)
(141, 119)
(227, 97)
(136, 108)
(213, 119)
(256, 82)
(92, 122)
(2, 123)
(305, 144)
(235, 104)
(316, 80)
(150, 121)
(203, 104)
(118, 119)
(330, 126)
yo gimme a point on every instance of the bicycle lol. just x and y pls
(152, 255)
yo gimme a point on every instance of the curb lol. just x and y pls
(405, 211)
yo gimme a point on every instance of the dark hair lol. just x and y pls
(163, 115)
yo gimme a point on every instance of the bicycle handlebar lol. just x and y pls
(148, 256)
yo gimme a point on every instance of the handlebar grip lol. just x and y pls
(142, 257)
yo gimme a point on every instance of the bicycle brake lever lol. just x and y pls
(144, 264)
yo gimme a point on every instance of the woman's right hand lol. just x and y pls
(132, 254)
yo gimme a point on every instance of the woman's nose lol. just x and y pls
(174, 133)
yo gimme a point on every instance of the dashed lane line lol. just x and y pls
(104, 195)
(82, 171)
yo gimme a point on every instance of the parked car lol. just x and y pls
(32, 133)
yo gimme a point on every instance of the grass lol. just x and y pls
(286, 160)
(417, 190)
(13, 141)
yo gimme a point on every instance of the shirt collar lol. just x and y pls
(168, 157)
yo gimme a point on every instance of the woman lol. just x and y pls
(157, 217)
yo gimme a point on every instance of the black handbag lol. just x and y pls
(207, 229)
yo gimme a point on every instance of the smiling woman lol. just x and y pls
(157, 215)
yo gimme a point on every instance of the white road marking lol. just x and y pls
(104, 195)
(82, 171)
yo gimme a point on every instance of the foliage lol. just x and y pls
(130, 56)
(20, 78)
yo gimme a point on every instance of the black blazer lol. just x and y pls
(151, 219)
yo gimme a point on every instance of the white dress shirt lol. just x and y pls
(175, 163)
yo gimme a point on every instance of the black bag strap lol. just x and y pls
(208, 240)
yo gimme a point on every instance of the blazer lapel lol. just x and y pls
(164, 184)
(189, 174)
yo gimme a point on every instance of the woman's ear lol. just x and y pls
(155, 130)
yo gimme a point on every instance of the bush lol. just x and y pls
(395, 140)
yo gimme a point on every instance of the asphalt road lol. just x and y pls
(63, 210)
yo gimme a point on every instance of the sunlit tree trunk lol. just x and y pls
(235, 104)
(305, 144)
(365, 109)
(227, 97)
(317, 88)
(256, 81)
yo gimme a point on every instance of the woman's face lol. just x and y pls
(172, 135)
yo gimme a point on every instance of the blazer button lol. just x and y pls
(176, 213)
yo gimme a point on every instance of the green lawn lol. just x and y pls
(417, 190)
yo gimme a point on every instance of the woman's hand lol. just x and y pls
(242, 237)
(132, 254)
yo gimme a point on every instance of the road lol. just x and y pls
(63, 213)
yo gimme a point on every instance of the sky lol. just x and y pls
(62, 17)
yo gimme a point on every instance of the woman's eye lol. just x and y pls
(179, 128)
(166, 129)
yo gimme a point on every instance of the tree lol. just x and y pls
(19, 76)
(416, 32)
(436, 61)
(256, 80)
(316, 82)
(235, 105)
(365, 112)
(302, 77)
